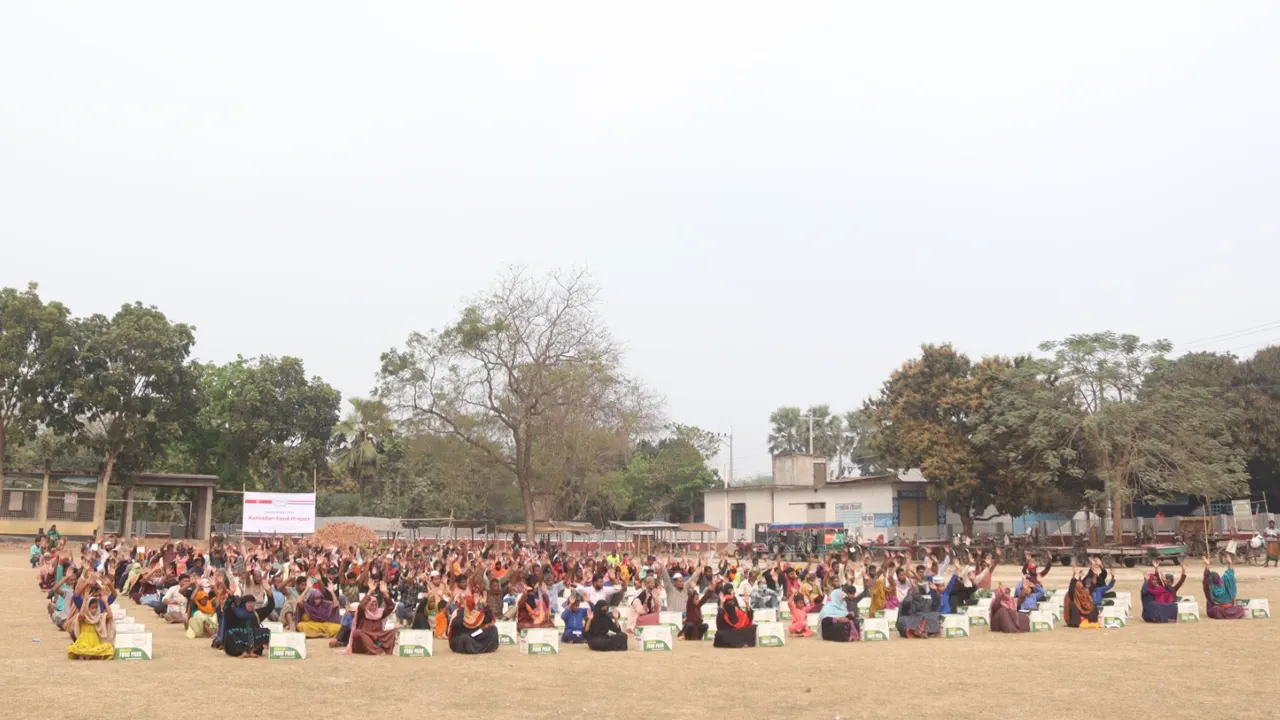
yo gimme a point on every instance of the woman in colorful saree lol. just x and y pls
(839, 621)
(472, 631)
(602, 631)
(1005, 617)
(1159, 598)
(1220, 592)
(1080, 609)
(202, 618)
(368, 634)
(877, 589)
(317, 616)
(90, 622)
(734, 626)
(534, 608)
(243, 635)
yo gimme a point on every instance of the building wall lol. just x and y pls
(790, 505)
(798, 469)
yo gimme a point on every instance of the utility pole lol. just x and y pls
(810, 432)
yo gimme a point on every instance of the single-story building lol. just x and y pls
(76, 501)
(799, 491)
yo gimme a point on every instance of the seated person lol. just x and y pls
(318, 615)
(1079, 609)
(601, 630)
(1220, 593)
(734, 626)
(575, 620)
(1005, 616)
(369, 635)
(472, 632)
(90, 622)
(839, 616)
(917, 616)
(243, 634)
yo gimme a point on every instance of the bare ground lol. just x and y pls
(1216, 669)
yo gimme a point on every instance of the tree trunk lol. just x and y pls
(2, 447)
(106, 484)
(1117, 511)
(966, 521)
(526, 498)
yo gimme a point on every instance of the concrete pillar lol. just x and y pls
(42, 513)
(126, 524)
(204, 513)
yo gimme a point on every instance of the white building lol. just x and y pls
(801, 492)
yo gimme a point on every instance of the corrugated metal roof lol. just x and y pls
(644, 525)
(698, 527)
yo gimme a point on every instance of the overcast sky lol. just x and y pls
(781, 201)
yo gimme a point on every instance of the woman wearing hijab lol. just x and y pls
(734, 626)
(90, 622)
(472, 631)
(1080, 609)
(839, 621)
(1005, 617)
(243, 635)
(916, 615)
(602, 632)
(1220, 592)
(368, 634)
(1160, 598)
(317, 615)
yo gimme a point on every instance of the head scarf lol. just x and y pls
(602, 622)
(1082, 598)
(201, 600)
(835, 607)
(1222, 588)
(733, 615)
(471, 617)
(316, 607)
(96, 613)
(1159, 591)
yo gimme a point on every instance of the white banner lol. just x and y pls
(282, 513)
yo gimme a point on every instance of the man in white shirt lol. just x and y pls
(597, 590)
(175, 601)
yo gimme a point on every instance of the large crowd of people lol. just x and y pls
(355, 599)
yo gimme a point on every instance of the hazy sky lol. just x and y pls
(781, 201)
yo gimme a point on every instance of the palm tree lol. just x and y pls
(358, 439)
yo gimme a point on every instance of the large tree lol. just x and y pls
(924, 417)
(37, 363)
(1258, 387)
(134, 386)
(494, 377)
(1151, 436)
(1030, 430)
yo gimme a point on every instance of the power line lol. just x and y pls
(1264, 342)
(1232, 335)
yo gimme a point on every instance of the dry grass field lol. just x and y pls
(1208, 670)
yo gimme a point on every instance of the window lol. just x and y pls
(738, 516)
(817, 506)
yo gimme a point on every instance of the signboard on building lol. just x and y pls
(283, 513)
(849, 514)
